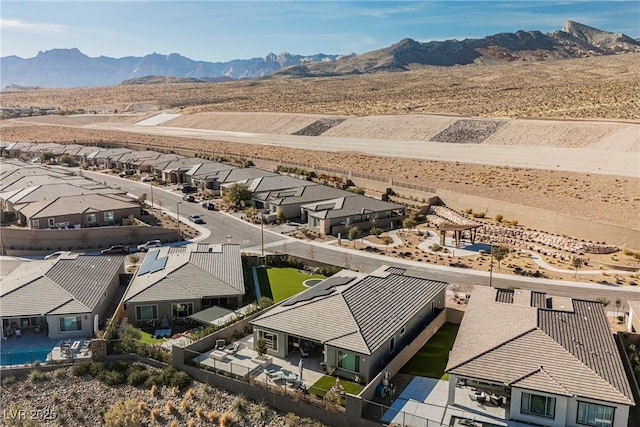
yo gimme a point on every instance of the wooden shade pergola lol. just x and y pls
(457, 232)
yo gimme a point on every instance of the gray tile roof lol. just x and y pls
(51, 191)
(276, 182)
(299, 195)
(241, 175)
(34, 180)
(365, 312)
(565, 350)
(69, 205)
(208, 168)
(190, 272)
(352, 204)
(70, 284)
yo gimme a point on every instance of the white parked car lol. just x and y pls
(146, 179)
(149, 245)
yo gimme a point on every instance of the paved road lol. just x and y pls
(552, 158)
(249, 237)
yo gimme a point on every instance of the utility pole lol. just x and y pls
(491, 265)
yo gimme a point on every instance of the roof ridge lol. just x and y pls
(502, 344)
(554, 380)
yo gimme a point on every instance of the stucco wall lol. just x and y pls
(17, 241)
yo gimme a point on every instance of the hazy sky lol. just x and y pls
(224, 30)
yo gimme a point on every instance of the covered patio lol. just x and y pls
(240, 358)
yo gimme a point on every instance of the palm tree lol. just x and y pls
(577, 262)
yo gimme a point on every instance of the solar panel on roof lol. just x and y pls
(159, 264)
(322, 289)
(148, 261)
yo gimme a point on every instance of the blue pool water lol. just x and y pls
(22, 357)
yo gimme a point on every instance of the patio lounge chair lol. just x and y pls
(233, 349)
(220, 344)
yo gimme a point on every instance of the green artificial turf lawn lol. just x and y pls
(432, 358)
(146, 337)
(282, 283)
(324, 384)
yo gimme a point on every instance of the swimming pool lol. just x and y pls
(21, 357)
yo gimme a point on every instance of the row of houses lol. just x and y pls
(553, 358)
(324, 209)
(44, 197)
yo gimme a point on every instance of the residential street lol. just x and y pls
(248, 236)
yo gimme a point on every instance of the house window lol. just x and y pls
(91, 218)
(348, 361)
(403, 330)
(146, 312)
(315, 222)
(52, 222)
(270, 339)
(182, 309)
(108, 216)
(534, 404)
(35, 223)
(392, 344)
(590, 414)
(69, 324)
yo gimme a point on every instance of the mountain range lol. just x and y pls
(72, 68)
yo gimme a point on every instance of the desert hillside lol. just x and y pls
(595, 88)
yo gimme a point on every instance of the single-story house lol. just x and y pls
(51, 191)
(102, 158)
(335, 216)
(206, 175)
(61, 297)
(360, 321)
(553, 358)
(88, 210)
(633, 322)
(18, 149)
(133, 159)
(156, 165)
(290, 200)
(174, 171)
(176, 282)
(229, 177)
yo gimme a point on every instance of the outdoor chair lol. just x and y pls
(220, 344)
(233, 349)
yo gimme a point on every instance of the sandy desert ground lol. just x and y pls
(397, 106)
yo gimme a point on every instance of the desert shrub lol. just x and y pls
(356, 190)
(468, 211)
(212, 416)
(181, 380)
(9, 380)
(137, 378)
(226, 420)
(155, 379)
(499, 218)
(38, 376)
(261, 412)
(113, 378)
(240, 407)
(96, 369)
(328, 270)
(154, 390)
(81, 369)
(514, 222)
(120, 366)
(123, 414)
(478, 215)
(375, 231)
(155, 414)
(59, 373)
(170, 407)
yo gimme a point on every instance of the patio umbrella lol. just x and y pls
(300, 366)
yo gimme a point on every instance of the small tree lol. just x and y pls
(618, 304)
(577, 263)
(387, 241)
(236, 194)
(282, 217)
(47, 156)
(409, 223)
(602, 300)
(500, 253)
(375, 231)
(251, 212)
(436, 248)
(353, 232)
(142, 199)
(261, 346)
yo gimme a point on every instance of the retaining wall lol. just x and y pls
(18, 241)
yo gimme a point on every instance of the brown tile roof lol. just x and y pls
(567, 351)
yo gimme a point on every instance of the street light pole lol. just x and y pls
(151, 184)
(262, 234)
(178, 218)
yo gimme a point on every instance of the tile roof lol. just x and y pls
(70, 284)
(51, 191)
(302, 194)
(353, 204)
(276, 182)
(208, 168)
(365, 312)
(566, 350)
(190, 272)
(76, 204)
